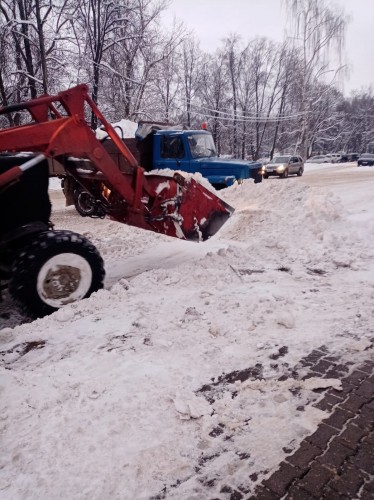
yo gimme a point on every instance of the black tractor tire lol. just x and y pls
(84, 203)
(300, 172)
(53, 269)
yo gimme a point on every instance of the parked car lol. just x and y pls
(346, 157)
(283, 166)
(334, 157)
(319, 159)
(366, 159)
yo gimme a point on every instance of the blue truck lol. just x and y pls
(157, 147)
(192, 151)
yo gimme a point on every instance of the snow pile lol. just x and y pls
(124, 128)
(182, 376)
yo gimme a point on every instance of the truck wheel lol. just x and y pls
(84, 203)
(55, 268)
(266, 176)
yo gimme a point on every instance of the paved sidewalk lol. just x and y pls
(337, 461)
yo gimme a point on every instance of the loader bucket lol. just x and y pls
(181, 208)
(202, 213)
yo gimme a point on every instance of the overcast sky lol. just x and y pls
(213, 20)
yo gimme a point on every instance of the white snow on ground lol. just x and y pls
(126, 396)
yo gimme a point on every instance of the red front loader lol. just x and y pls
(46, 269)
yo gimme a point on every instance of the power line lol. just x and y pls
(248, 118)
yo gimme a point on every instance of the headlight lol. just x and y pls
(280, 168)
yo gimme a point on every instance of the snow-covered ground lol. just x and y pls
(166, 383)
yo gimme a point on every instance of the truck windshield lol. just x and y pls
(201, 145)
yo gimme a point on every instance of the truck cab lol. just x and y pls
(194, 151)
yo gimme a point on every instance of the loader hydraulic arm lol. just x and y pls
(175, 205)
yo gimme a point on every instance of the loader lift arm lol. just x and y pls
(175, 206)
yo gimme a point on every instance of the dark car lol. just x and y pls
(366, 159)
(347, 157)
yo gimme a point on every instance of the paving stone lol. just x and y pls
(297, 493)
(366, 495)
(369, 438)
(338, 418)
(352, 435)
(322, 435)
(353, 403)
(282, 478)
(367, 367)
(369, 485)
(336, 454)
(342, 368)
(315, 480)
(312, 358)
(330, 494)
(305, 454)
(366, 390)
(236, 495)
(370, 405)
(340, 395)
(348, 482)
(262, 493)
(327, 402)
(364, 458)
(356, 377)
(365, 419)
(336, 372)
(346, 388)
(322, 366)
(333, 359)
(367, 410)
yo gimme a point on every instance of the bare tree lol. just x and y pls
(133, 59)
(32, 45)
(319, 30)
(99, 21)
(267, 76)
(287, 63)
(233, 57)
(214, 94)
(192, 62)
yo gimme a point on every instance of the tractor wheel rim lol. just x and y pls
(63, 279)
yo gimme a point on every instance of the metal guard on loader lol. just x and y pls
(174, 206)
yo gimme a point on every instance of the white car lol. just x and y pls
(334, 157)
(319, 159)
